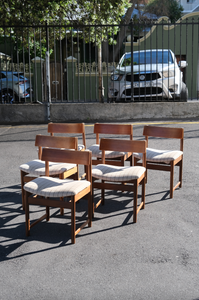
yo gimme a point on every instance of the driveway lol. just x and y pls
(156, 258)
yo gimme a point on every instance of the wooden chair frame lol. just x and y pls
(68, 128)
(131, 186)
(42, 141)
(168, 133)
(67, 156)
(113, 129)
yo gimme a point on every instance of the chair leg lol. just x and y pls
(90, 209)
(143, 193)
(73, 220)
(102, 194)
(61, 176)
(131, 160)
(135, 203)
(146, 176)
(180, 174)
(93, 204)
(22, 190)
(171, 179)
(27, 219)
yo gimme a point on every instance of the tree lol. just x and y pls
(124, 21)
(89, 12)
(101, 12)
(169, 8)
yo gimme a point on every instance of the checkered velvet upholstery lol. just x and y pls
(37, 167)
(164, 156)
(55, 187)
(108, 154)
(117, 173)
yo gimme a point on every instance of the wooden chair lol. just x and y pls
(124, 178)
(163, 160)
(114, 157)
(36, 167)
(69, 128)
(51, 192)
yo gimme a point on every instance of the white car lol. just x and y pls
(156, 75)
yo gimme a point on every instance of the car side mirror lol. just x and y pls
(182, 64)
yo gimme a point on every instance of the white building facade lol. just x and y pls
(189, 6)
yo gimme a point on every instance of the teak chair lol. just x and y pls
(45, 190)
(114, 157)
(124, 178)
(36, 167)
(69, 128)
(163, 160)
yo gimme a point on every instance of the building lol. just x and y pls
(189, 5)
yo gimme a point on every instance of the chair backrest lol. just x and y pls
(123, 146)
(119, 129)
(48, 141)
(164, 132)
(68, 128)
(68, 156)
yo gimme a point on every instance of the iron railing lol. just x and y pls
(74, 63)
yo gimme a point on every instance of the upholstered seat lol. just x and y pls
(117, 173)
(55, 187)
(155, 155)
(96, 152)
(81, 147)
(37, 167)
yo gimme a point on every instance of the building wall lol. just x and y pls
(189, 5)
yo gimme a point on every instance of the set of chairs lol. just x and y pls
(53, 180)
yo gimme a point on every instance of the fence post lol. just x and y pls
(37, 78)
(48, 84)
(72, 90)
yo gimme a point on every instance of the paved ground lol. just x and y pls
(157, 258)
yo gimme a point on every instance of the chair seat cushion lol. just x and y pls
(81, 147)
(108, 154)
(37, 167)
(117, 173)
(55, 187)
(164, 156)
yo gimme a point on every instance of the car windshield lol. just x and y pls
(147, 57)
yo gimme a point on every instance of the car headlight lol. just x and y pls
(167, 74)
(116, 77)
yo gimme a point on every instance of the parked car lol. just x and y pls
(156, 74)
(14, 87)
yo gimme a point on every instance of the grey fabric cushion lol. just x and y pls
(155, 155)
(108, 154)
(117, 173)
(55, 187)
(80, 147)
(37, 167)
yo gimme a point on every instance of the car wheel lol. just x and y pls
(6, 96)
(184, 93)
(111, 100)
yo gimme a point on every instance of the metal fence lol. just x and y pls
(143, 61)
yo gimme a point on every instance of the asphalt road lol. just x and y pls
(156, 258)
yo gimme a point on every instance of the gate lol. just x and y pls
(75, 68)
